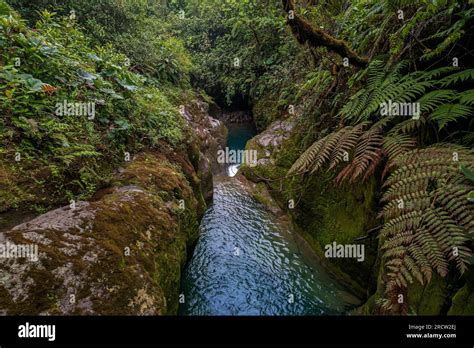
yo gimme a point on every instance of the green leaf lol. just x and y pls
(468, 173)
(32, 83)
(450, 112)
(127, 86)
(87, 75)
(123, 124)
(112, 93)
(467, 97)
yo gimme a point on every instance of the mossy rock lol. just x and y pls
(463, 302)
(368, 308)
(265, 111)
(121, 254)
(427, 299)
(342, 215)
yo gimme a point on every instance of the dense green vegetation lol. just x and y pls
(328, 66)
(424, 207)
(57, 63)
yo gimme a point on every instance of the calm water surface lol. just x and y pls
(247, 263)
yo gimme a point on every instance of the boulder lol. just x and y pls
(121, 254)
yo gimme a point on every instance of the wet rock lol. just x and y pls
(211, 136)
(271, 140)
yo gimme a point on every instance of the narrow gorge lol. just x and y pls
(236, 158)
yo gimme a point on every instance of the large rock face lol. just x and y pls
(121, 253)
(209, 135)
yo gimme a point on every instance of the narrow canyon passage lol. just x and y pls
(247, 263)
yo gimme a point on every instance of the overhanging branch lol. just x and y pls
(315, 37)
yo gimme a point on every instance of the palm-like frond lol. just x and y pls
(467, 97)
(420, 87)
(330, 149)
(368, 154)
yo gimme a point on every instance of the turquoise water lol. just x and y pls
(248, 263)
(239, 134)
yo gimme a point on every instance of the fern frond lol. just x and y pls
(456, 78)
(303, 163)
(346, 144)
(449, 113)
(432, 100)
(395, 145)
(368, 154)
(408, 126)
(467, 97)
(428, 223)
(331, 148)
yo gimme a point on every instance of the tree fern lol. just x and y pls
(430, 101)
(445, 105)
(428, 224)
(409, 126)
(345, 144)
(333, 147)
(368, 154)
(361, 149)
(442, 107)
(382, 86)
(467, 97)
(427, 220)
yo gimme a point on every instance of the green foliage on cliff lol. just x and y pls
(240, 49)
(69, 106)
(132, 59)
(137, 29)
(427, 219)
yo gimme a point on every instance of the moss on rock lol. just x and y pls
(342, 215)
(119, 255)
(265, 111)
(462, 302)
(427, 299)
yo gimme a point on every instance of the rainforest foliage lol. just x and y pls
(378, 88)
(56, 61)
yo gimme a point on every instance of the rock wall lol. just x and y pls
(122, 252)
(208, 135)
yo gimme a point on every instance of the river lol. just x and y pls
(246, 262)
